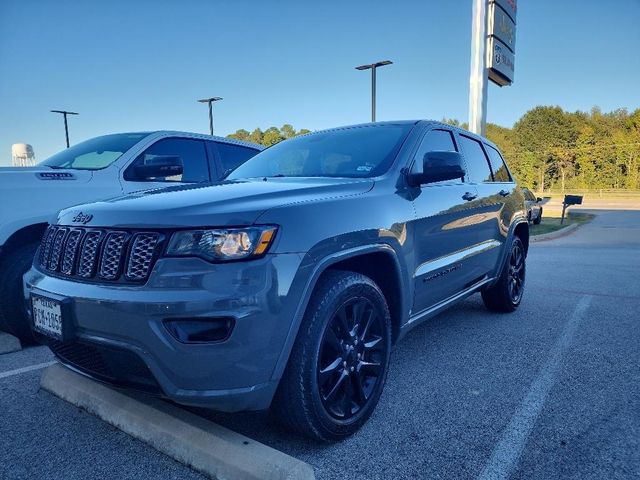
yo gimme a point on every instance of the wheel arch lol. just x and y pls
(29, 233)
(358, 259)
(521, 230)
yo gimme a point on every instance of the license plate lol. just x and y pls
(47, 316)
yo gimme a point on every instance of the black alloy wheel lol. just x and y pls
(516, 273)
(350, 363)
(506, 293)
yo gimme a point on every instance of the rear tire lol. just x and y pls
(538, 218)
(506, 294)
(13, 316)
(338, 366)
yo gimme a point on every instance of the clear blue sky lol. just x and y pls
(141, 65)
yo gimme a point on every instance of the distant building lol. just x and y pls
(22, 155)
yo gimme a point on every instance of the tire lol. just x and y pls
(538, 218)
(13, 316)
(329, 399)
(506, 294)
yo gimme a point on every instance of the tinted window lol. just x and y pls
(477, 164)
(528, 194)
(349, 152)
(95, 153)
(232, 156)
(500, 172)
(435, 140)
(191, 152)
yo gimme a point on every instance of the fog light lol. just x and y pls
(200, 330)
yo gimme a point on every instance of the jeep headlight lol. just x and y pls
(221, 244)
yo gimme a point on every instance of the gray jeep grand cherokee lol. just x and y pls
(286, 284)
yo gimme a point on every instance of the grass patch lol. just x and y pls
(551, 221)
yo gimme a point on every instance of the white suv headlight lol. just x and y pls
(221, 244)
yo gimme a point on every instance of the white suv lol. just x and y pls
(99, 168)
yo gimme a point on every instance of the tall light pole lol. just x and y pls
(210, 102)
(373, 67)
(66, 127)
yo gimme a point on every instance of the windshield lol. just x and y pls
(95, 153)
(366, 151)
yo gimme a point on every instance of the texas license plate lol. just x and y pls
(47, 316)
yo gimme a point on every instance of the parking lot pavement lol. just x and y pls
(552, 391)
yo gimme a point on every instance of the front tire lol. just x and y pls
(339, 362)
(506, 294)
(13, 317)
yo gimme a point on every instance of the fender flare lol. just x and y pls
(505, 250)
(310, 285)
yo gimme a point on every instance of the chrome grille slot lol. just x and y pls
(89, 253)
(45, 246)
(112, 253)
(71, 251)
(142, 255)
(56, 249)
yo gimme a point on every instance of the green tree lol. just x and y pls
(287, 131)
(241, 134)
(256, 136)
(271, 137)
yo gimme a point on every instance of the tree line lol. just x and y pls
(548, 148)
(270, 136)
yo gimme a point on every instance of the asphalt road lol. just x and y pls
(552, 391)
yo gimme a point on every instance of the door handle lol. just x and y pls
(469, 196)
(504, 193)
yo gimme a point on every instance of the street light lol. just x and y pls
(210, 101)
(373, 67)
(66, 127)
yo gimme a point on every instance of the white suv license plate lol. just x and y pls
(47, 316)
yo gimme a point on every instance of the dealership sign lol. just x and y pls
(501, 41)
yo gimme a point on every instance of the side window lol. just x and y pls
(435, 140)
(232, 156)
(477, 163)
(500, 172)
(192, 153)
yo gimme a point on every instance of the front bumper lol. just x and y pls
(119, 334)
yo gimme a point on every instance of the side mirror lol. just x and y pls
(539, 199)
(160, 166)
(438, 166)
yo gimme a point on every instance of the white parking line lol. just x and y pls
(507, 452)
(31, 368)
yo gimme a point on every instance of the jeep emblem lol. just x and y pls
(82, 218)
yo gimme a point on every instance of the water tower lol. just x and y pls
(22, 155)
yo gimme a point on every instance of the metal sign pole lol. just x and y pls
(373, 94)
(478, 78)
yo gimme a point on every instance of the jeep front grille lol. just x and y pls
(99, 254)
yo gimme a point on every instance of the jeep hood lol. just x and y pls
(229, 203)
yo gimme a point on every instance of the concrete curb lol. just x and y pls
(9, 343)
(553, 235)
(204, 446)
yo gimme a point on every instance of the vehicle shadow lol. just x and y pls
(410, 362)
